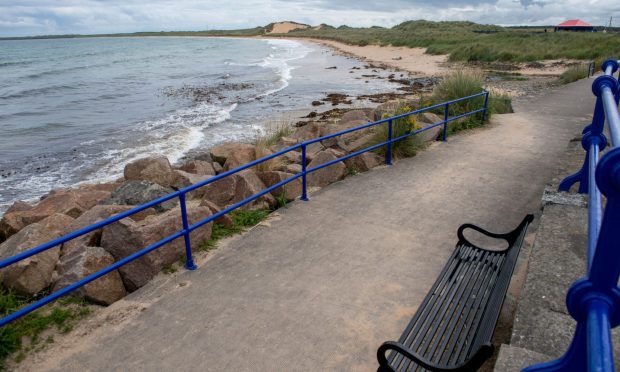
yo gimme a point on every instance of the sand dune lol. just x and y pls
(285, 27)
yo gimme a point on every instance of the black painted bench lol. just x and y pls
(453, 327)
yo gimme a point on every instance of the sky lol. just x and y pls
(47, 17)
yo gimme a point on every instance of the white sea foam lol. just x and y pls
(172, 136)
(284, 51)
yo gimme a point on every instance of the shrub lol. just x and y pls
(574, 73)
(461, 83)
(499, 103)
(406, 147)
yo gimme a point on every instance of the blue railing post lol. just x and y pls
(446, 115)
(189, 263)
(388, 150)
(594, 301)
(304, 182)
(486, 105)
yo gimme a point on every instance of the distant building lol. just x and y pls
(574, 25)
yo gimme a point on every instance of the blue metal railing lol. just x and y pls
(594, 301)
(181, 195)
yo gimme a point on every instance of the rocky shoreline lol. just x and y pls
(26, 225)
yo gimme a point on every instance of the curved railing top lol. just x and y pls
(594, 301)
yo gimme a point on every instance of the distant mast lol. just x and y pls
(609, 25)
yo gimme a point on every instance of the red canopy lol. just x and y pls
(574, 23)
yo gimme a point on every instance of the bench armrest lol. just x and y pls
(482, 354)
(510, 237)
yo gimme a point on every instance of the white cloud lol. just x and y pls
(32, 17)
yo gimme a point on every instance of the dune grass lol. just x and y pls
(574, 73)
(272, 134)
(468, 41)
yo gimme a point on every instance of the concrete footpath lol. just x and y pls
(322, 285)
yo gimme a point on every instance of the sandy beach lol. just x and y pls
(417, 62)
(413, 60)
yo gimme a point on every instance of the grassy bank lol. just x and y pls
(467, 41)
(31, 331)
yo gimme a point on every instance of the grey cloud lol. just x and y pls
(30, 17)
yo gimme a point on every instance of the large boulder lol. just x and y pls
(349, 120)
(33, 274)
(221, 153)
(237, 187)
(199, 167)
(155, 169)
(364, 162)
(386, 109)
(239, 156)
(307, 132)
(327, 175)
(65, 201)
(127, 236)
(352, 143)
(224, 220)
(19, 206)
(83, 262)
(184, 179)
(357, 117)
(140, 192)
(96, 214)
(313, 149)
(292, 168)
(105, 186)
(289, 192)
(283, 143)
(427, 119)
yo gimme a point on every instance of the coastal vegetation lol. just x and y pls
(471, 42)
(574, 73)
(241, 220)
(26, 333)
(406, 147)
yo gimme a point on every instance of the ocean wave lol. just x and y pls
(39, 91)
(284, 51)
(15, 63)
(172, 136)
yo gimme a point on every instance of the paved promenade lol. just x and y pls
(321, 286)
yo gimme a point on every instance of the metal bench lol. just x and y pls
(453, 327)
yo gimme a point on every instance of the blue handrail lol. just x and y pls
(594, 301)
(181, 195)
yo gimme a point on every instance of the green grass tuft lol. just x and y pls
(63, 315)
(461, 83)
(241, 220)
(574, 73)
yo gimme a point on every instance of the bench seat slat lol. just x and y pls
(447, 326)
(453, 327)
(425, 310)
(439, 302)
(461, 328)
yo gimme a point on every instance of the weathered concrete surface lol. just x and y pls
(320, 288)
(558, 258)
(513, 358)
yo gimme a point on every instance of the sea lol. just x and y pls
(79, 109)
